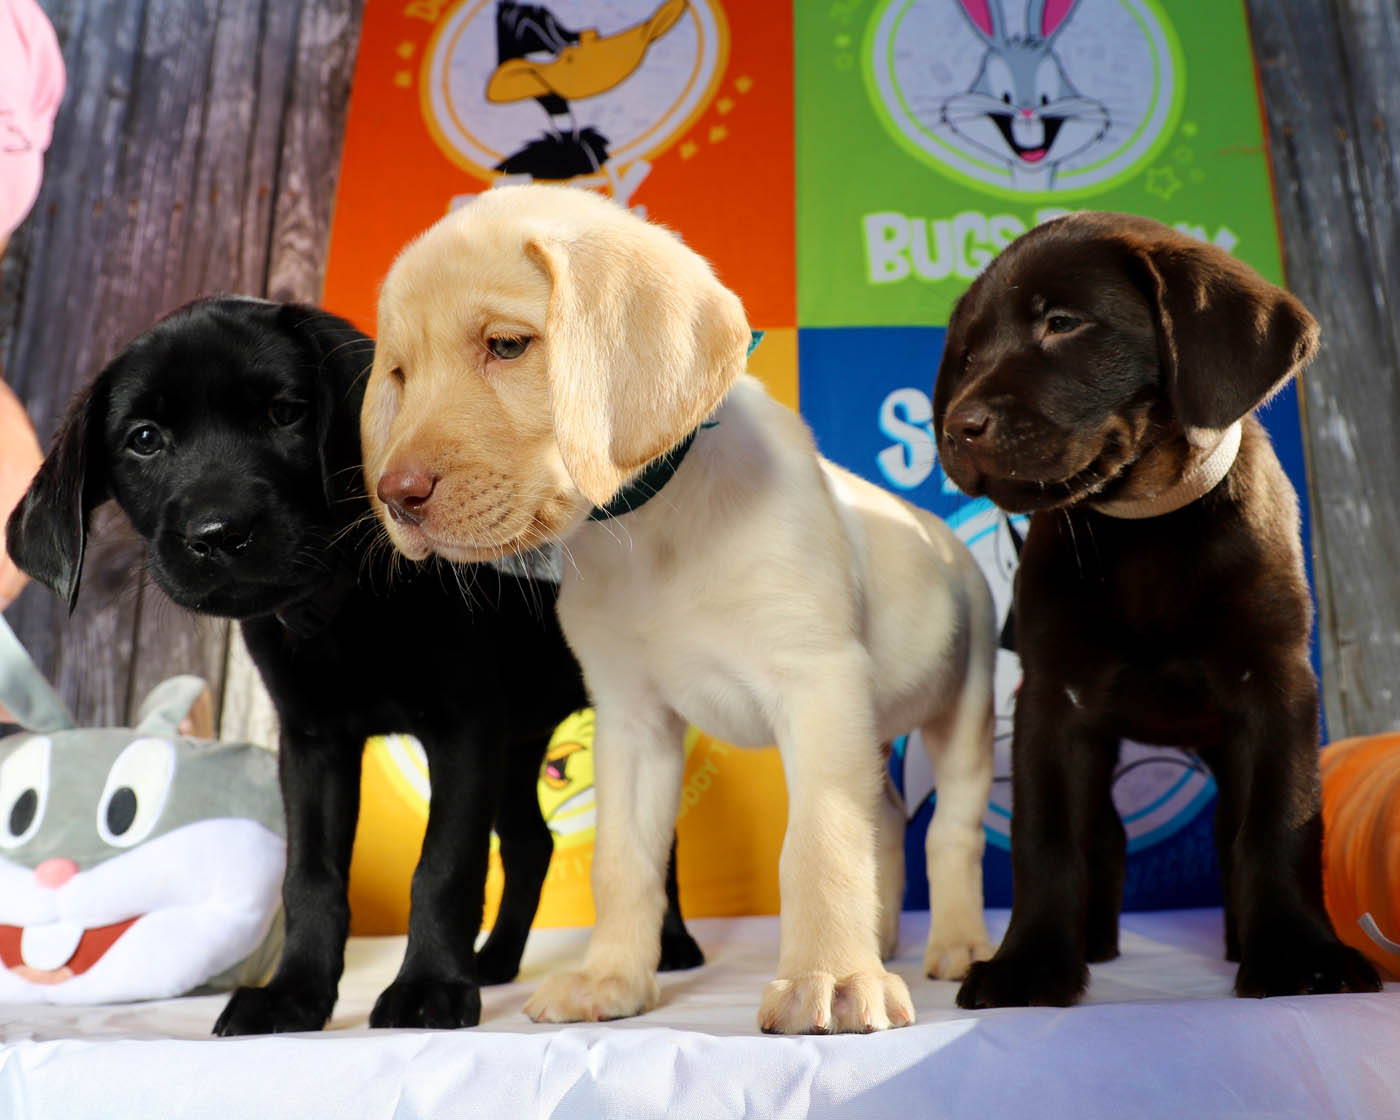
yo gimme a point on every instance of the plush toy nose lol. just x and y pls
(968, 423)
(216, 537)
(53, 873)
(406, 492)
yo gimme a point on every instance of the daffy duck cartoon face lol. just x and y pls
(540, 58)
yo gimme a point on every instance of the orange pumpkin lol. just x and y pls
(1361, 841)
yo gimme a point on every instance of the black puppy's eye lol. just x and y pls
(145, 440)
(506, 348)
(1061, 324)
(286, 413)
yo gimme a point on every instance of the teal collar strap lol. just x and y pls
(646, 485)
(655, 474)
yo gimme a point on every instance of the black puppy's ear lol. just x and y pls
(1229, 339)
(47, 533)
(343, 357)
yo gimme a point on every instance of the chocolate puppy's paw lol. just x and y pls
(1293, 968)
(1023, 980)
(435, 1004)
(498, 962)
(679, 951)
(274, 1010)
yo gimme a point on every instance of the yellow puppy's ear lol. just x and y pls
(642, 342)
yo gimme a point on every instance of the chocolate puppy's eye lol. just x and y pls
(507, 348)
(286, 413)
(145, 440)
(1061, 324)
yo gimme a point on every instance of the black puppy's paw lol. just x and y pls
(435, 1004)
(1023, 981)
(273, 1011)
(679, 951)
(498, 962)
(1290, 968)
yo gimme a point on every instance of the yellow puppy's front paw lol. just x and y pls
(822, 1003)
(950, 959)
(575, 997)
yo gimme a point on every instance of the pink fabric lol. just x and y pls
(31, 87)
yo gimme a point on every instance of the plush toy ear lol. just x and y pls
(168, 704)
(30, 699)
(343, 357)
(1229, 339)
(641, 343)
(47, 533)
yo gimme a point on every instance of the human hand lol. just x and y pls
(20, 457)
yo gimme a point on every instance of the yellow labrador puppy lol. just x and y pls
(541, 354)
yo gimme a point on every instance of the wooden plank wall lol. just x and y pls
(196, 152)
(1327, 70)
(197, 149)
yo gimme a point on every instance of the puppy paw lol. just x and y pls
(950, 960)
(679, 951)
(586, 997)
(434, 1004)
(498, 962)
(822, 1003)
(273, 1011)
(1283, 968)
(1014, 981)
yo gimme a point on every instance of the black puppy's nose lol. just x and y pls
(406, 492)
(217, 538)
(968, 423)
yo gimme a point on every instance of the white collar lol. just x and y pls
(1198, 480)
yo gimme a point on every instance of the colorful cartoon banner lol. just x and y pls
(849, 167)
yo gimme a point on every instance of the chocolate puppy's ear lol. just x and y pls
(343, 359)
(47, 532)
(945, 380)
(1228, 338)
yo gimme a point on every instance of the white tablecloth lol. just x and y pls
(1158, 1035)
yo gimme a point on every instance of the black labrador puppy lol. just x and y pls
(1101, 375)
(229, 435)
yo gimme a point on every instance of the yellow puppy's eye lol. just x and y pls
(506, 348)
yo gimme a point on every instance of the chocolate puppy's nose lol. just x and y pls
(968, 423)
(406, 492)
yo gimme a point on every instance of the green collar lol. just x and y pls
(646, 485)
(655, 474)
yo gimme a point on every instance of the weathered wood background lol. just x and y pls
(197, 151)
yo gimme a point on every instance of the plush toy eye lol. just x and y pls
(1061, 324)
(286, 413)
(136, 791)
(24, 791)
(145, 440)
(506, 348)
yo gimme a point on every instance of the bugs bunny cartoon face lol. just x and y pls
(1022, 108)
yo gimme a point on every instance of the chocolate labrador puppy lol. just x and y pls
(1100, 376)
(229, 435)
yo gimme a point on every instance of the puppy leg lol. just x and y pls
(889, 855)
(320, 784)
(638, 761)
(1226, 826)
(1061, 772)
(830, 978)
(1108, 856)
(960, 750)
(1268, 772)
(526, 848)
(437, 986)
(679, 950)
